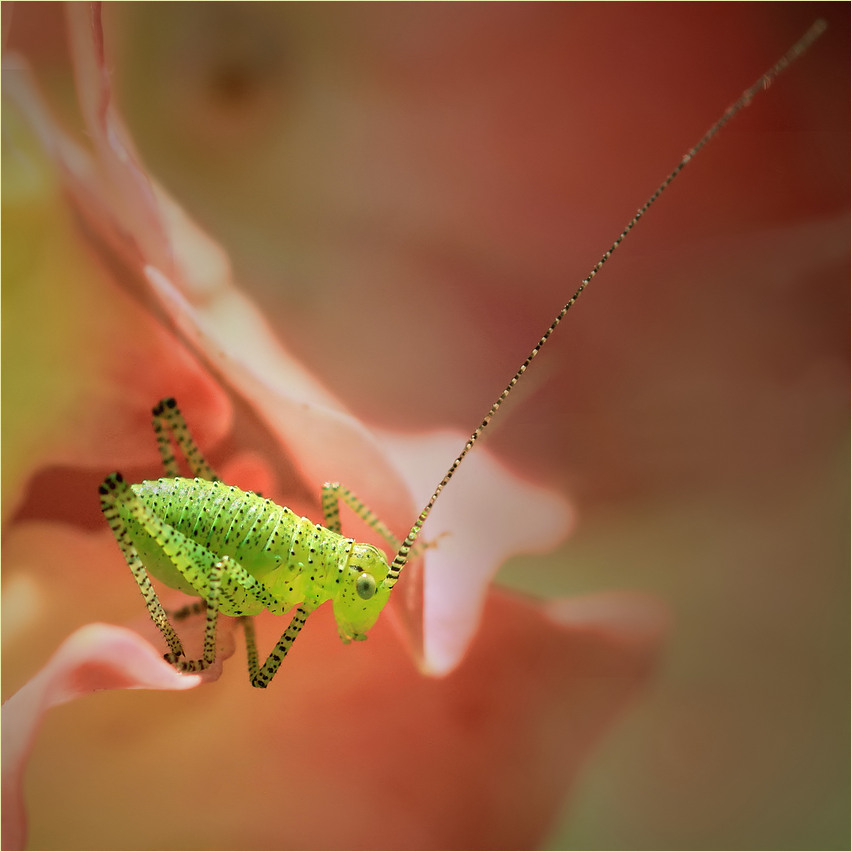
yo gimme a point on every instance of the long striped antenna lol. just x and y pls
(764, 81)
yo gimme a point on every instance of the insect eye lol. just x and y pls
(365, 585)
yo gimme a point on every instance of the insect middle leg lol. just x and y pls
(168, 422)
(208, 654)
(261, 676)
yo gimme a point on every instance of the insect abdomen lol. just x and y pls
(294, 558)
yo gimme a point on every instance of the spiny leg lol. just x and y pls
(112, 491)
(331, 491)
(169, 421)
(261, 677)
(251, 646)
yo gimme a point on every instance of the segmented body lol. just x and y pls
(295, 559)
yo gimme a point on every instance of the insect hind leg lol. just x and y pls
(113, 491)
(169, 423)
(202, 570)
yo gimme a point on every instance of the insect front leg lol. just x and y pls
(261, 677)
(332, 492)
(168, 421)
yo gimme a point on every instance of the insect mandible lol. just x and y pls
(243, 554)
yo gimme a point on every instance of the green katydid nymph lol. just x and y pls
(242, 553)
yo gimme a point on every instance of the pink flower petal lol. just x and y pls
(131, 197)
(478, 759)
(504, 709)
(97, 657)
(94, 658)
(485, 515)
(89, 362)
